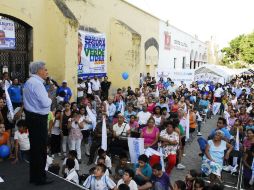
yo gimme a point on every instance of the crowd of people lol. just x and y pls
(166, 115)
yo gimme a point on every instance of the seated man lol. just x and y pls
(159, 180)
(221, 125)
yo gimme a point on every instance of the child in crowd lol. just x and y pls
(199, 184)
(55, 133)
(75, 136)
(123, 186)
(102, 153)
(179, 185)
(72, 174)
(121, 167)
(128, 180)
(199, 121)
(190, 179)
(98, 180)
(250, 125)
(71, 155)
(143, 170)
(4, 136)
(22, 143)
(101, 160)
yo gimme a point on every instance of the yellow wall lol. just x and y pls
(127, 29)
(54, 35)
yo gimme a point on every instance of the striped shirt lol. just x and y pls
(104, 183)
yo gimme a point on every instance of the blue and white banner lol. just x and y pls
(136, 148)
(92, 55)
(7, 34)
(178, 75)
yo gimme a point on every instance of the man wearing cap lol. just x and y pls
(66, 89)
(37, 106)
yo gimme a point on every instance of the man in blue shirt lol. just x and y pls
(37, 106)
(211, 87)
(167, 83)
(15, 93)
(221, 125)
(64, 88)
(238, 91)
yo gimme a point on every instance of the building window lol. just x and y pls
(184, 59)
(174, 63)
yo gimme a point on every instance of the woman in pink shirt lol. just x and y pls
(150, 105)
(151, 133)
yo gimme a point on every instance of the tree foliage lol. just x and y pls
(240, 50)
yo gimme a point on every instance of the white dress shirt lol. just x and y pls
(35, 96)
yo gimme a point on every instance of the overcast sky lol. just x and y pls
(223, 19)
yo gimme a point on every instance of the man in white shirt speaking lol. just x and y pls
(37, 106)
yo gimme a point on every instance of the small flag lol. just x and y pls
(8, 101)
(92, 116)
(162, 159)
(104, 134)
(187, 132)
(107, 107)
(157, 94)
(122, 107)
(236, 146)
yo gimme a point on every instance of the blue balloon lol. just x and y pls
(125, 75)
(4, 151)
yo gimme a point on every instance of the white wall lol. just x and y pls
(180, 45)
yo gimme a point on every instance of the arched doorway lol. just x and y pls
(16, 60)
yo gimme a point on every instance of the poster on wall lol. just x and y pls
(7, 34)
(167, 40)
(91, 55)
(178, 76)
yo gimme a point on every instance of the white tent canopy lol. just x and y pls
(216, 73)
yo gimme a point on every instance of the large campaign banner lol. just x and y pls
(178, 75)
(92, 60)
(7, 34)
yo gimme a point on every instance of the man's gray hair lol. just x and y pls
(34, 67)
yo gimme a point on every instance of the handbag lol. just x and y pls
(123, 135)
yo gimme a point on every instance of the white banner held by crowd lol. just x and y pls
(92, 117)
(179, 75)
(136, 148)
(8, 102)
(187, 130)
